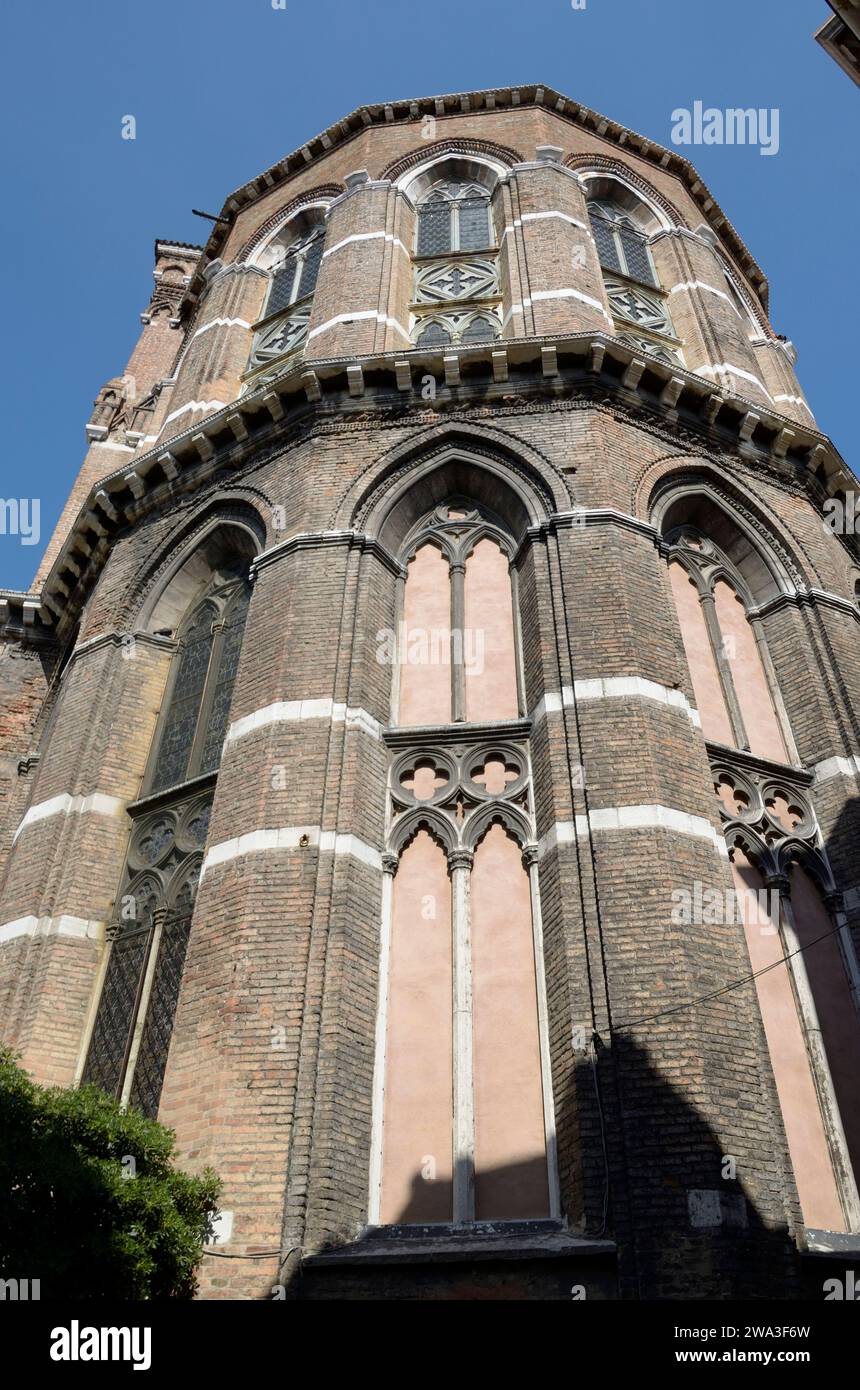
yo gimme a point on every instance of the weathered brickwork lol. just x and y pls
(589, 450)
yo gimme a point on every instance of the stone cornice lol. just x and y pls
(765, 767)
(550, 372)
(811, 598)
(412, 110)
(320, 540)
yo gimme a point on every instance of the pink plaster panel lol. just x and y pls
(490, 673)
(510, 1149)
(801, 1114)
(425, 675)
(751, 684)
(707, 688)
(418, 1109)
(828, 979)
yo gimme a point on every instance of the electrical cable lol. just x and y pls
(725, 989)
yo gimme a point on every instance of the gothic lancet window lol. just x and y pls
(725, 650)
(283, 327)
(636, 300)
(463, 1114)
(801, 954)
(803, 959)
(149, 932)
(456, 293)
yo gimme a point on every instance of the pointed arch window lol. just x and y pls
(149, 932)
(639, 307)
(295, 277)
(454, 216)
(463, 1116)
(621, 245)
(456, 294)
(803, 958)
(283, 327)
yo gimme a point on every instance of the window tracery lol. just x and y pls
(149, 932)
(455, 221)
(283, 327)
(463, 1110)
(636, 301)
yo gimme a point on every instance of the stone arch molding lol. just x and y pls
(323, 194)
(499, 158)
(683, 476)
(154, 592)
(593, 168)
(437, 462)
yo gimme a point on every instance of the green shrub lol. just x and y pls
(90, 1202)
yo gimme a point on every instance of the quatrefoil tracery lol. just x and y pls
(461, 787)
(771, 820)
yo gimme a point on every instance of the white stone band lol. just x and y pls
(64, 925)
(632, 818)
(297, 711)
(97, 803)
(613, 688)
(290, 837)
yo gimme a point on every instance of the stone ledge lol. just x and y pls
(520, 1240)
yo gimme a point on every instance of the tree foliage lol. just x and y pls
(90, 1201)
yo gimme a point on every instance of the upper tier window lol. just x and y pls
(296, 276)
(621, 246)
(454, 217)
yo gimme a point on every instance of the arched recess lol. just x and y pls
(611, 176)
(291, 254)
(803, 960)
(227, 529)
(456, 292)
(623, 220)
(499, 158)
(519, 484)
(460, 797)
(201, 602)
(804, 969)
(720, 574)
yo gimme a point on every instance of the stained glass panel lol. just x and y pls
(283, 282)
(311, 267)
(226, 679)
(478, 331)
(155, 1039)
(475, 224)
(434, 335)
(434, 228)
(116, 1012)
(181, 721)
(636, 255)
(604, 236)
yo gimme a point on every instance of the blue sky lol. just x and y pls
(221, 90)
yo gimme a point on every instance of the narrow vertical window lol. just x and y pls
(725, 656)
(463, 1113)
(456, 295)
(639, 307)
(152, 920)
(283, 326)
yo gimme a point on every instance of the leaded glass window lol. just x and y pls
(624, 257)
(621, 246)
(150, 929)
(284, 325)
(454, 217)
(449, 326)
(456, 295)
(296, 276)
